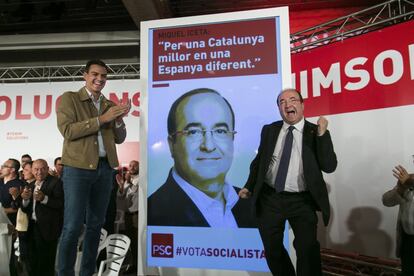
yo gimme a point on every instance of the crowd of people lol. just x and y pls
(32, 204)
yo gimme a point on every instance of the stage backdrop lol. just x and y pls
(364, 85)
(245, 57)
(28, 118)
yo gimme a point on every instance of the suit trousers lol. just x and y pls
(274, 209)
(407, 254)
(132, 232)
(41, 253)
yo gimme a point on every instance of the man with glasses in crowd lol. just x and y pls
(200, 137)
(10, 186)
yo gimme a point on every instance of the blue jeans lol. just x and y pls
(87, 194)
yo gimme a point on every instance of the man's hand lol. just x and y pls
(39, 195)
(401, 174)
(128, 177)
(115, 112)
(322, 125)
(27, 193)
(244, 193)
(127, 107)
(14, 192)
(120, 181)
(53, 172)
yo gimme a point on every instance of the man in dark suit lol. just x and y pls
(201, 135)
(43, 203)
(286, 183)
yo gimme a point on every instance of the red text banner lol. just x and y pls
(28, 118)
(215, 50)
(371, 71)
(28, 107)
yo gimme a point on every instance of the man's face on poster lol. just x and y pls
(202, 146)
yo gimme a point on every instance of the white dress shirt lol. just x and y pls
(295, 181)
(38, 186)
(213, 210)
(97, 104)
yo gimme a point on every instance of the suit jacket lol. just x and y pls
(50, 215)
(317, 155)
(78, 124)
(392, 198)
(7, 200)
(171, 206)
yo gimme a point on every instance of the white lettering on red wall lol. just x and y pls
(371, 71)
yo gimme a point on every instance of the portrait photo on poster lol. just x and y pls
(201, 133)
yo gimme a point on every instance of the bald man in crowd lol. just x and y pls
(43, 203)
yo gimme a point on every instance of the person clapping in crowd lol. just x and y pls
(43, 203)
(403, 195)
(128, 192)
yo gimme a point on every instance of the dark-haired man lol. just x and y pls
(91, 125)
(200, 136)
(58, 170)
(25, 158)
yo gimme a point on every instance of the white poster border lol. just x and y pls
(146, 26)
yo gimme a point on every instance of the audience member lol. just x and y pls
(10, 187)
(44, 205)
(6, 229)
(25, 158)
(403, 194)
(28, 176)
(128, 191)
(29, 180)
(58, 170)
(112, 207)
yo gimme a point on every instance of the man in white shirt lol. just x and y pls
(286, 184)
(403, 194)
(201, 133)
(43, 203)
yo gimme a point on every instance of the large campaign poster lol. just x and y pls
(209, 85)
